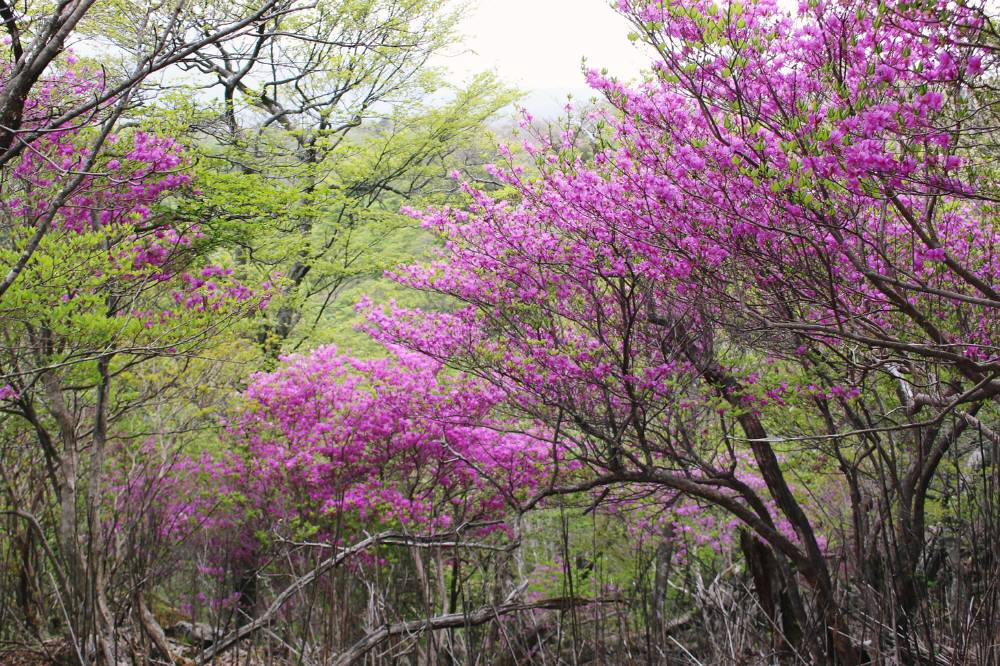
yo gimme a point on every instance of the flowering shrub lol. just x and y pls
(780, 244)
(390, 442)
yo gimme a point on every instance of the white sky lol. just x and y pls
(537, 44)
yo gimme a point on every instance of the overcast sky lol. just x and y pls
(537, 45)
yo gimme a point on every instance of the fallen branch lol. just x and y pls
(459, 620)
(228, 641)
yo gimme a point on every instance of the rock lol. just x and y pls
(195, 633)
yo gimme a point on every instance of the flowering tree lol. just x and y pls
(113, 285)
(336, 452)
(783, 248)
(143, 39)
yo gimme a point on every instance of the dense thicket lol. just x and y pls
(708, 374)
